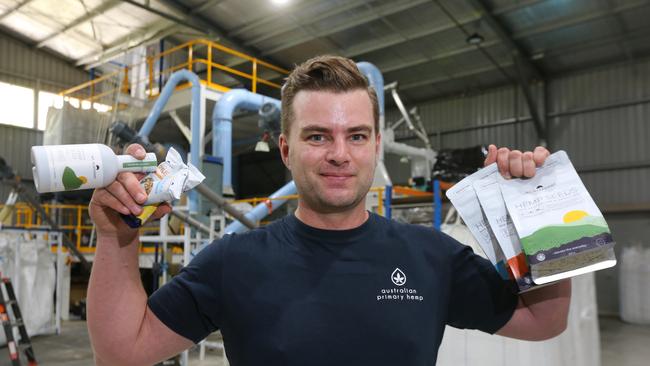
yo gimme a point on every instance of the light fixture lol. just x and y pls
(280, 2)
(475, 39)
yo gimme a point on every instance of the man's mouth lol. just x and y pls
(336, 177)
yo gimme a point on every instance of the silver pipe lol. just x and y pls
(193, 222)
(221, 202)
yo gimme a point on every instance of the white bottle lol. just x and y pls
(71, 167)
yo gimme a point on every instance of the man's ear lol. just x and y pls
(378, 143)
(284, 150)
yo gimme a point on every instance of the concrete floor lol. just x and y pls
(621, 344)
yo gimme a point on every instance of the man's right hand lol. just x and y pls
(124, 196)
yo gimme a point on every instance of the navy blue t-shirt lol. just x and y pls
(291, 294)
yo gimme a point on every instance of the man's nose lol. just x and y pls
(338, 152)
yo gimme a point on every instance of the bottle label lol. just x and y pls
(75, 167)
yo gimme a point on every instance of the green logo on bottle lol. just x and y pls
(70, 179)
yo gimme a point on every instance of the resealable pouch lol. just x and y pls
(561, 230)
(167, 183)
(464, 199)
(489, 195)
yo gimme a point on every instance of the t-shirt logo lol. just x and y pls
(398, 277)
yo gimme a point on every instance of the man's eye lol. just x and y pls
(315, 138)
(358, 137)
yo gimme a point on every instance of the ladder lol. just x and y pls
(13, 346)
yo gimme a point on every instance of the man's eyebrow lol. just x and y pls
(360, 128)
(314, 128)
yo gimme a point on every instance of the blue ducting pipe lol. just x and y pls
(222, 125)
(195, 119)
(376, 80)
(263, 209)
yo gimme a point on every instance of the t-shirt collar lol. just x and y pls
(301, 229)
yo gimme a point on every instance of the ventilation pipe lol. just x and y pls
(222, 126)
(263, 209)
(195, 120)
(376, 80)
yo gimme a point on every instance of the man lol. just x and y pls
(330, 284)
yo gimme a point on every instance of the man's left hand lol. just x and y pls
(514, 163)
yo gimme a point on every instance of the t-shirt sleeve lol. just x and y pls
(189, 304)
(480, 298)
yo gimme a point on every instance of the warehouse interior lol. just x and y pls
(453, 77)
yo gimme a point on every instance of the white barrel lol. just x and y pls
(634, 285)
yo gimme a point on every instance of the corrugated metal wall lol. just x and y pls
(15, 145)
(598, 116)
(27, 66)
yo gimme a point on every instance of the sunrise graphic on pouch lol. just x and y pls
(575, 215)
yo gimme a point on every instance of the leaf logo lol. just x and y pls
(398, 277)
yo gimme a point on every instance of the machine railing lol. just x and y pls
(74, 221)
(205, 58)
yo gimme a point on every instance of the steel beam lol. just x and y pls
(438, 57)
(159, 29)
(523, 65)
(538, 121)
(518, 5)
(17, 7)
(572, 21)
(214, 29)
(504, 35)
(88, 16)
(167, 16)
(270, 19)
(277, 30)
(388, 9)
(205, 6)
(392, 40)
(439, 79)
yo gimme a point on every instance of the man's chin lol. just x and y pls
(337, 204)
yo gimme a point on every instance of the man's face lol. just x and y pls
(331, 149)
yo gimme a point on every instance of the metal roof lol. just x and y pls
(419, 43)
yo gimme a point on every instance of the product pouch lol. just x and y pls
(561, 230)
(489, 195)
(167, 183)
(464, 199)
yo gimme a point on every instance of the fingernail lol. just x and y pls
(507, 175)
(140, 197)
(136, 209)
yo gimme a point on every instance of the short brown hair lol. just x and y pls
(325, 73)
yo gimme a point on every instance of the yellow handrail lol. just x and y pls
(183, 56)
(71, 219)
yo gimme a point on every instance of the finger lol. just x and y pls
(103, 198)
(132, 185)
(491, 155)
(162, 210)
(117, 189)
(528, 164)
(502, 162)
(516, 165)
(137, 151)
(540, 154)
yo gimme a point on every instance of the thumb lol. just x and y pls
(491, 156)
